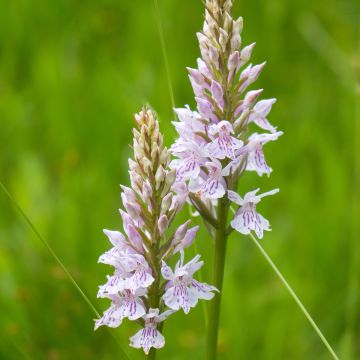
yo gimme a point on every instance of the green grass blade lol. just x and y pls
(163, 48)
(294, 296)
(61, 264)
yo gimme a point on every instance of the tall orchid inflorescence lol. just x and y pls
(217, 143)
(143, 287)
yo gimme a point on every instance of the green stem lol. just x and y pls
(218, 276)
(152, 354)
(295, 297)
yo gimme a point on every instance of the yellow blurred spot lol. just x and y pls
(222, 341)
(11, 328)
(188, 339)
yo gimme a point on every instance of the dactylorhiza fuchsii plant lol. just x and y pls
(218, 143)
(223, 139)
(143, 287)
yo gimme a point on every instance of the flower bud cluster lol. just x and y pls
(218, 142)
(143, 287)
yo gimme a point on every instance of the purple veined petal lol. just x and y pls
(192, 268)
(147, 338)
(111, 257)
(166, 272)
(187, 166)
(247, 219)
(114, 284)
(264, 124)
(213, 188)
(235, 198)
(270, 192)
(256, 139)
(252, 197)
(183, 291)
(259, 113)
(223, 145)
(202, 290)
(110, 318)
(132, 306)
(164, 315)
(140, 279)
(256, 162)
(241, 222)
(177, 297)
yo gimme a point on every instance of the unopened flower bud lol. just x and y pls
(159, 177)
(214, 56)
(187, 240)
(197, 76)
(154, 152)
(128, 194)
(146, 191)
(170, 178)
(238, 25)
(166, 203)
(133, 165)
(233, 61)
(126, 218)
(235, 41)
(227, 21)
(134, 237)
(132, 209)
(136, 181)
(163, 224)
(147, 165)
(217, 93)
(205, 107)
(165, 157)
(180, 232)
(249, 101)
(228, 5)
(223, 39)
(246, 54)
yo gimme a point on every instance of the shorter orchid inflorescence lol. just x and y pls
(143, 287)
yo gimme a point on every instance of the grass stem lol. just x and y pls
(294, 296)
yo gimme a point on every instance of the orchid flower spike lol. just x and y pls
(136, 287)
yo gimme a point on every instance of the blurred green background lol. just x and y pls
(73, 72)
